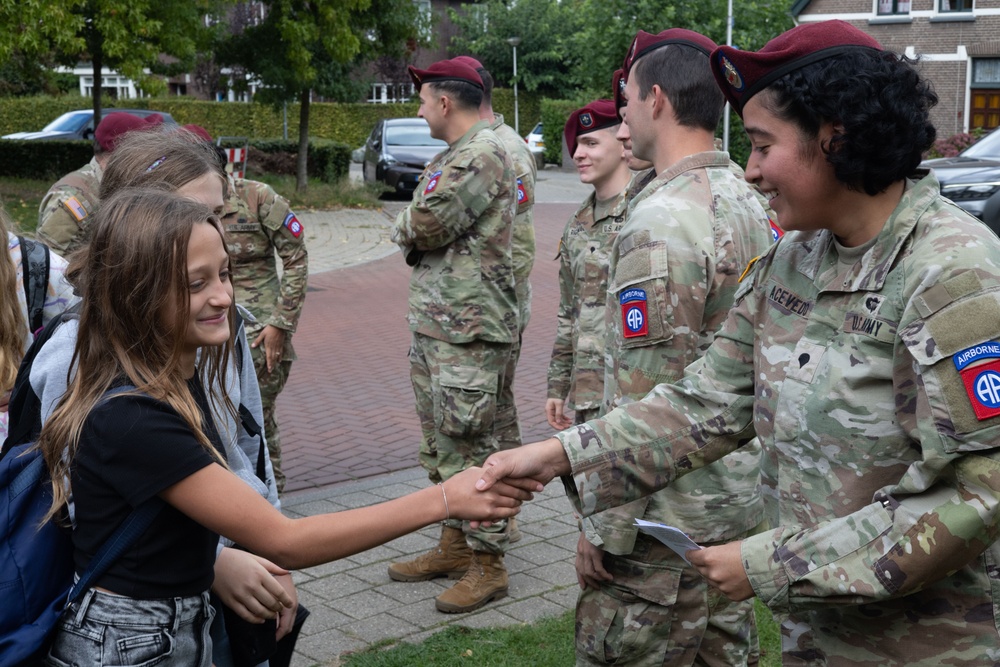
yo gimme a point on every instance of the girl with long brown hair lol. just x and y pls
(157, 304)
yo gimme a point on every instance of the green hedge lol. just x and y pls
(45, 160)
(346, 123)
(554, 116)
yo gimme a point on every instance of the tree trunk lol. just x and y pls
(301, 166)
(98, 62)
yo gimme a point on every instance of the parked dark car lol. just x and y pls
(80, 124)
(397, 151)
(971, 179)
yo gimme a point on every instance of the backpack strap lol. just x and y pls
(25, 408)
(134, 525)
(35, 271)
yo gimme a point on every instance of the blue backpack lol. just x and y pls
(36, 558)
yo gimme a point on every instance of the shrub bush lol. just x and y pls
(554, 116)
(43, 159)
(955, 144)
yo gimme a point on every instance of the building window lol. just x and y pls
(955, 6)
(387, 93)
(986, 72)
(894, 7)
(425, 21)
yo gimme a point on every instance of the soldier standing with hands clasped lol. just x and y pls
(463, 312)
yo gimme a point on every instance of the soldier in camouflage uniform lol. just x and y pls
(65, 210)
(259, 223)
(862, 351)
(673, 273)
(507, 428)
(576, 370)
(456, 234)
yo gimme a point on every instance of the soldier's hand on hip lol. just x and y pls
(273, 340)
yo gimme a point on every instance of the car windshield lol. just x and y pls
(987, 147)
(68, 122)
(410, 135)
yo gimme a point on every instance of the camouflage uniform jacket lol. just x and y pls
(522, 240)
(689, 235)
(640, 179)
(66, 209)
(457, 231)
(576, 369)
(258, 222)
(881, 464)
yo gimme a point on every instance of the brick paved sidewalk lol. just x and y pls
(350, 437)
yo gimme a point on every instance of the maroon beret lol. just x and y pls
(618, 91)
(597, 115)
(468, 60)
(446, 70)
(199, 132)
(117, 124)
(743, 74)
(645, 42)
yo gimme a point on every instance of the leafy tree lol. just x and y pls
(546, 29)
(302, 46)
(127, 36)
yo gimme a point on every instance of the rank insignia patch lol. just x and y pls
(293, 225)
(75, 208)
(433, 183)
(634, 322)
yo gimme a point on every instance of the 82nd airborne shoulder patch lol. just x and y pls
(634, 319)
(982, 380)
(433, 182)
(293, 225)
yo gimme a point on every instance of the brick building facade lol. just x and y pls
(957, 43)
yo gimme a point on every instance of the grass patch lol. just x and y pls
(21, 198)
(547, 643)
(325, 196)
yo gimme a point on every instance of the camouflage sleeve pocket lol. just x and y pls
(467, 401)
(640, 288)
(963, 386)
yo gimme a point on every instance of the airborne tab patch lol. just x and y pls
(634, 320)
(970, 355)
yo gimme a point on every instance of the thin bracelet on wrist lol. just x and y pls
(445, 496)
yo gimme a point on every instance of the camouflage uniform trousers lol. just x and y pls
(660, 611)
(584, 416)
(271, 385)
(506, 426)
(456, 386)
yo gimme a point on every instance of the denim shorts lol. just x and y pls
(107, 630)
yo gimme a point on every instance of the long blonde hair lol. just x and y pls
(134, 269)
(12, 322)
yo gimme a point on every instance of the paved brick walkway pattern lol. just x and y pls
(351, 435)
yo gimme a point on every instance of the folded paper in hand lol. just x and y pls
(670, 536)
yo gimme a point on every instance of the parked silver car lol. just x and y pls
(397, 151)
(971, 179)
(80, 124)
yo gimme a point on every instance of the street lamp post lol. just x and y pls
(514, 41)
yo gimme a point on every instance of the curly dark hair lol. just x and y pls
(882, 103)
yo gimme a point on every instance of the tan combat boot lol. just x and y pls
(449, 559)
(486, 580)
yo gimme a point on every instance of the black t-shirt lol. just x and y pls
(131, 449)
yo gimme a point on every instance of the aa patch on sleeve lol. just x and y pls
(522, 194)
(981, 380)
(433, 183)
(75, 208)
(293, 225)
(776, 231)
(634, 320)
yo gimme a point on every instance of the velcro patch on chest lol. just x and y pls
(243, 227)
(432, 184)
(634, 318)
(75, 209)
(878, 328)
(293, 225)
